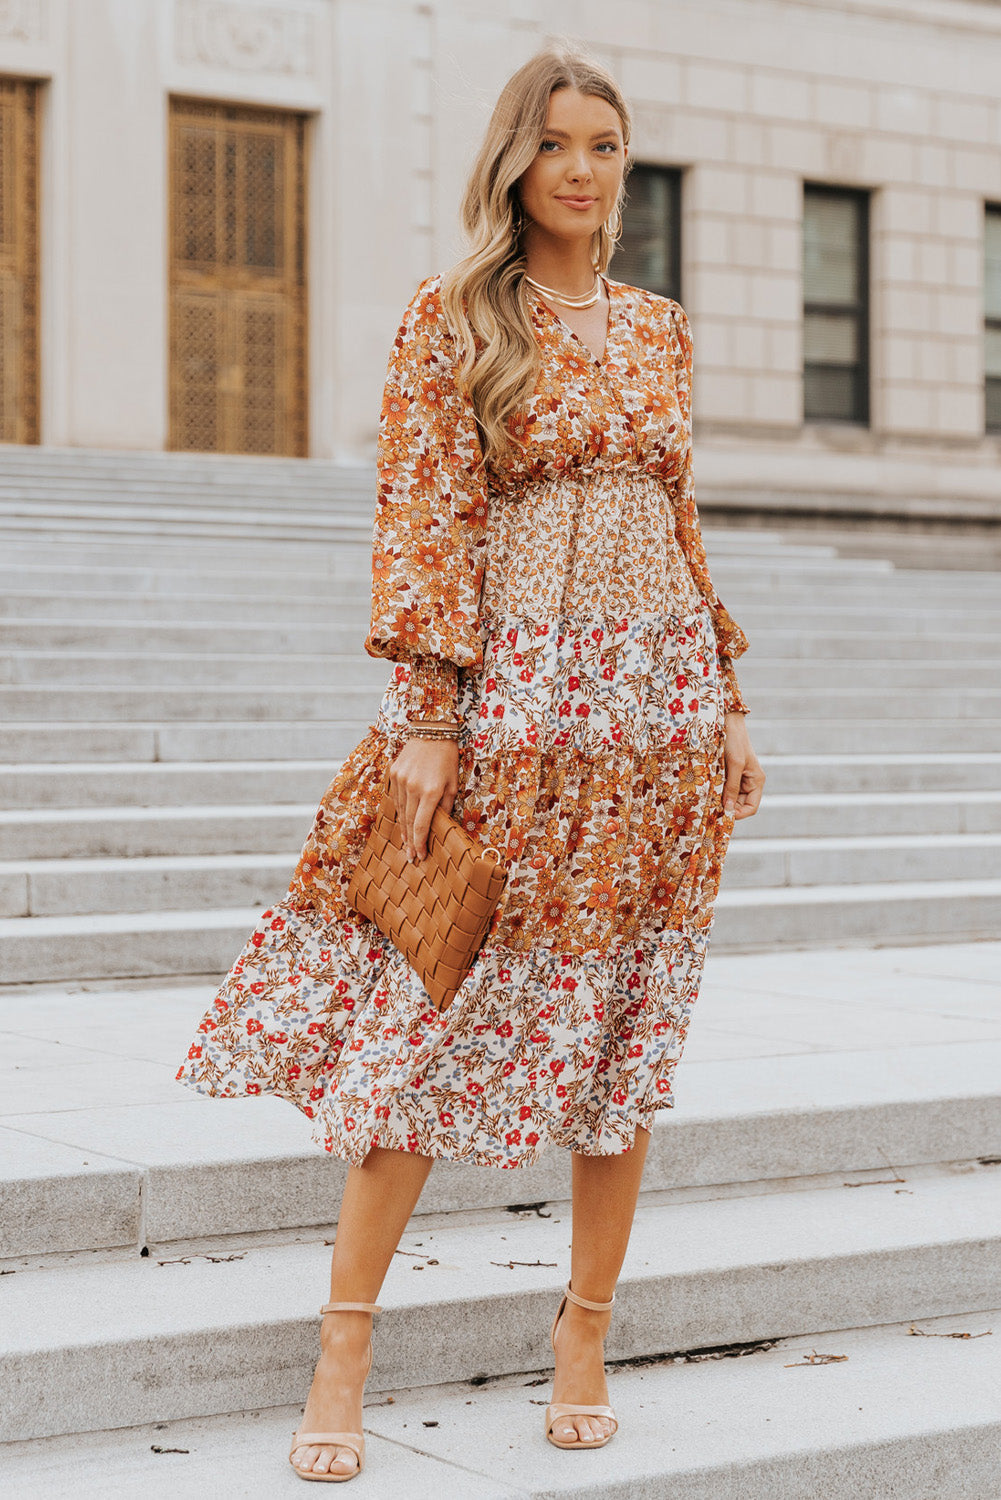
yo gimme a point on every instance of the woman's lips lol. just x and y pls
(580, 204)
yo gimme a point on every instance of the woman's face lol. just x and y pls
(573, 183)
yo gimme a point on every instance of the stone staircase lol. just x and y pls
(180, 669)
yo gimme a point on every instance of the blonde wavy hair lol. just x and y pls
(482, 293)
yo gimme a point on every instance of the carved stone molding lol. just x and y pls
(244, 38)
(23, 20)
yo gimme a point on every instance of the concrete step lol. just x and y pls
(237, 610)
(889, 646)
(79, 669)
(760, 862)
(122, 703)
(65, 887)
(72, 545)
(780, 832)
(806, 794)
(159, 575)
(332, 739)
(250, 533)
(856, 814)
(131, 569)
(103, 1152)
(798, 580)
(206, 941)
(225, 785)
(122, 945)
(235, 548)
(130, 582)
(33, 459)
(932, 911)
(322, 701)
(88, 667)
(883, 1413)
(761, 674)
(781, 647)
(131, 833)
(719, 540)
(76, 545)
(211, 518)
(26, 604)
(43, 499)
(58, 885)
(107, 1345)
(165, 637)
(900, 772)
(873, 741)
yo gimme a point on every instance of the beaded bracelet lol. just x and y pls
(429, 731)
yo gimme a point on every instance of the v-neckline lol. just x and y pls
(599, 364)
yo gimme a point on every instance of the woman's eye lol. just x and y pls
(608, 147)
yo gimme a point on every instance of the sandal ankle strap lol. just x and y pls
(583, 1302)
(372, 1307)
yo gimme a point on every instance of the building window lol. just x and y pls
(649, 252)
(835, 304)
(992, 317)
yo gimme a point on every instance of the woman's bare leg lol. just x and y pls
(605, 1189)
(378, 1199)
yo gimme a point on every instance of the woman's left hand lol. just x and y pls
(745, 780)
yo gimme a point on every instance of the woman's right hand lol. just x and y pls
(424, 775)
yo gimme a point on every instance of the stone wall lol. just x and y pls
(749, 97)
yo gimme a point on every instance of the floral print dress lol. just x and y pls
(558, 602)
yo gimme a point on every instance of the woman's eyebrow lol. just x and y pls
(597, 134)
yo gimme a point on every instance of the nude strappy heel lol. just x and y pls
(557, 1410)
(353, 1440)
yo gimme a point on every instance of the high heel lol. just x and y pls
(352, 1440)
(557, 1411)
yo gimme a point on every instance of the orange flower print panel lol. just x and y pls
(431, 489)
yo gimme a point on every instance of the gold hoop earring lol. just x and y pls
(613, 225)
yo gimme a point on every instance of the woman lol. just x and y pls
(564, 685)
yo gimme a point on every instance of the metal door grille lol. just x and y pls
(237, 279)
(18, 260)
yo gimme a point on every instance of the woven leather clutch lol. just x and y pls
(437, 911)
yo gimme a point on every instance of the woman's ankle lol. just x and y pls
(346, 1333)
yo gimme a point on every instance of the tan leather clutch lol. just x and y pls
(435, 912)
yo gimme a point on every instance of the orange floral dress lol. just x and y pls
(559, 603)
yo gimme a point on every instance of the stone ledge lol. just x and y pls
(890, 1413)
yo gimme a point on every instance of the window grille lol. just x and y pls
(19, 375)
(835, 304)
(649, 252)
(237, 279)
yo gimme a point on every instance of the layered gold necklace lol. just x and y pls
(588, 299)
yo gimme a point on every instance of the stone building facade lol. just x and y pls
(136, 302)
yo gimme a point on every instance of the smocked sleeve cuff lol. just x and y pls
(433, 693)
(733, 701)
